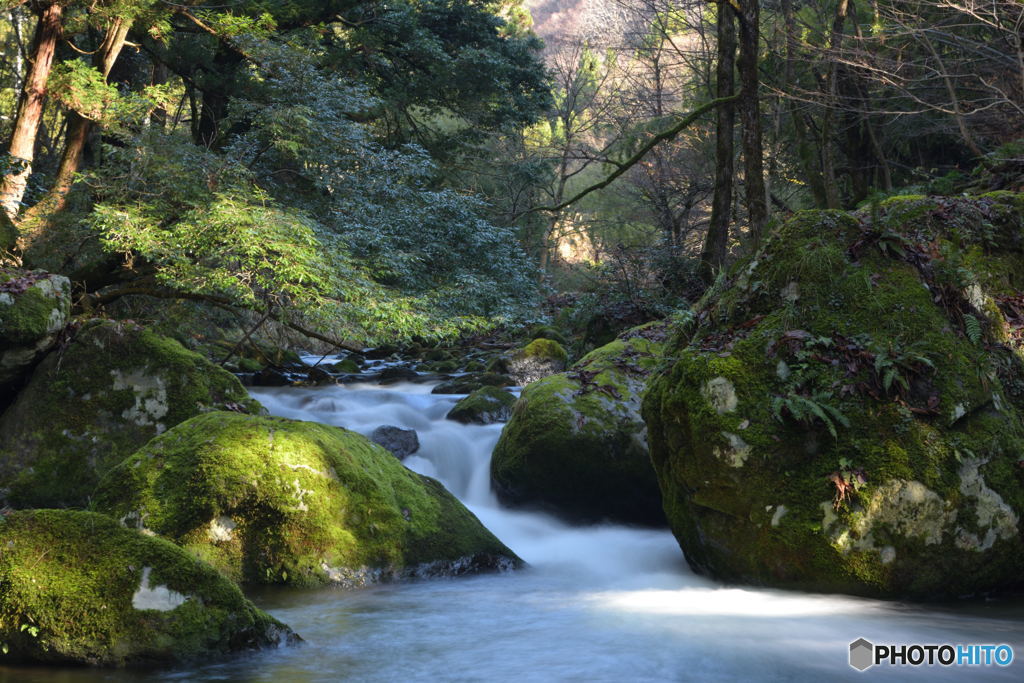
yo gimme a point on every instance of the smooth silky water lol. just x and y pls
(598, 603)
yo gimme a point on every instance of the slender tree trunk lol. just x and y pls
(750, 118)
(30, 112)
(161, 74)
(79, 127)
(19, 49)
(828, 162)
(808, 158)
(716, 243)
(207, 128)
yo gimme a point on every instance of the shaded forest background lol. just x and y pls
(362, 171)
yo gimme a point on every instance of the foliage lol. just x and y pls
(83, 89)
(808, 408)
(305, 211)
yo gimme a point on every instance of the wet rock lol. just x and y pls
(318, 375)
(399, 442)
(347, 366)
(271, 377)
(113, 388)
(484, 406)
(824, 424)
(269, 500)
(380, 353)
(576, 443)
(81, 589)
(470, 383)
(396, 374)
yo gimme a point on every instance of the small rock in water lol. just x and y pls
(484, 406)
(397, 374)
(379, 353)
(269, 377)
(318, 375)
(348, 366)
(401, 442)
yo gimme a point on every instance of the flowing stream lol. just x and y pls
(598, 603)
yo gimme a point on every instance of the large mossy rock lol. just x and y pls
(34, 307)
(576, 443)
(270, 500)
(845, 412)
(88, 406)
(78, 588)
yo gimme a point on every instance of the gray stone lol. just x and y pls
(400, 442)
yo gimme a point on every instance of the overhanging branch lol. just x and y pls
(91, 300)
(642, 152)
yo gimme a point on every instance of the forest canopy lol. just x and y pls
(281, 157)
(402, 169)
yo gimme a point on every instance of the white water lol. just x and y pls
(602, 603)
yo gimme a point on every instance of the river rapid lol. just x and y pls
(597, 603)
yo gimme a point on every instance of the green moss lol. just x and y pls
(484, 406)
(825, 313)
(347, 366)
(73, 592)
(8, 233)
(249, 365)
(438, 355)
(576, 444)
(547, 332)
(444, 366)
(40, 311)
(269, 500)
(113, 388)
(544, 349)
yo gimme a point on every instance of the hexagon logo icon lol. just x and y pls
(862, 654)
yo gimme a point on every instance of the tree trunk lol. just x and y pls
(161, 74)
(30, 113)
(828, 162)
(809, 159)
(208, 129)
(79, 127)
(749, 106)
(713, 254)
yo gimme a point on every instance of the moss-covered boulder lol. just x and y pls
(536, 360)
(88, 406)
(34, 308)
(576, 443)
(845, 412)
(484, 406)
(78, 588)
(270, 500)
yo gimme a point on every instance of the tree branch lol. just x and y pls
(636, 158)
(91, 300)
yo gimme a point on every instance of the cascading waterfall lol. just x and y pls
(598, 603)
